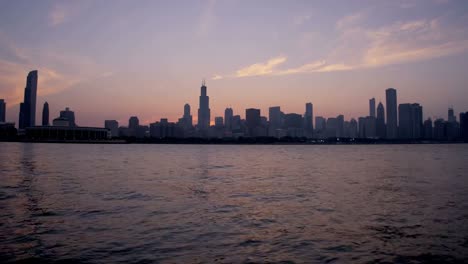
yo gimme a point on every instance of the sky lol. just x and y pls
(115, 59)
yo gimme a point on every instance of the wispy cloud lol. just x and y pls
(271, 68)
(412, 41)
(57, 15)
(349, 21)
(299, 20)
(217, 77)
(66, 11)
(360, 48)
(259, 69)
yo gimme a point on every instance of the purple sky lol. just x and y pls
(114, 59)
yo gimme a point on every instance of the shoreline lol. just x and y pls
(244, 141)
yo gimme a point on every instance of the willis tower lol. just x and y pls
(204, 110)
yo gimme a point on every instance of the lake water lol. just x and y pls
(72, 203)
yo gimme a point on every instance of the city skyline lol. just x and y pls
(331, 54)
(403, 121)
(391, 127)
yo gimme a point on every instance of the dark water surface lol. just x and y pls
(233, 204)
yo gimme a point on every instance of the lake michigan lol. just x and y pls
(132, 203)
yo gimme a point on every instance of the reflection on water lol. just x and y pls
(191, 204)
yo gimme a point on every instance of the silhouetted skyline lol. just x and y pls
(144, 58)
(403, 121)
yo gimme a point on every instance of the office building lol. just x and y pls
(367, 127)
(309, 120)
(352, 129)
(68, 115)
(2, 111)
(427, 129)
(275, 117)
(410, 121)
(236, 124)
(113, 127)
(340, 126)
(252, 118)
(187, 118)
(451, 116)
(380, 128)
(372, 107)
(320, 127)
(332, 127)
(219, 123)
(45, 114)
(27, 116)
(392, 115)
(292, 120)
(293, 124)
(165, 129)
(464, 125)
(133, 122)
(228, 114)
(362, 127)
(439, 132)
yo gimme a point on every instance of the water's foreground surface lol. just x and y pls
(230, 204)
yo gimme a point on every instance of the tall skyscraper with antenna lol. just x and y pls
(204, 109)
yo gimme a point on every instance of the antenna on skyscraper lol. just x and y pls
(203, 82)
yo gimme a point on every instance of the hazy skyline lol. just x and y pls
(116, 59)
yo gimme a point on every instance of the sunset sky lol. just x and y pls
(115, 59)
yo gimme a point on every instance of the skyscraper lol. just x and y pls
(133, 122)
(228, 114)
(292, 120)
(427, 129)
(410, 122)
(464, 125)
(45, 114)
(362, 127)
(439, 131)
(2, 110)
(372, 107)
(340, 126)
(187, 118)
(371, 127)
(451, 116)
(27, 117)
(252, 118)
(308, 120)
(204, 110)
(332, 127)
(392, 115)
(219, 122)
(275, 117)
(353, 128)
(380, 122)
(320, 127)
